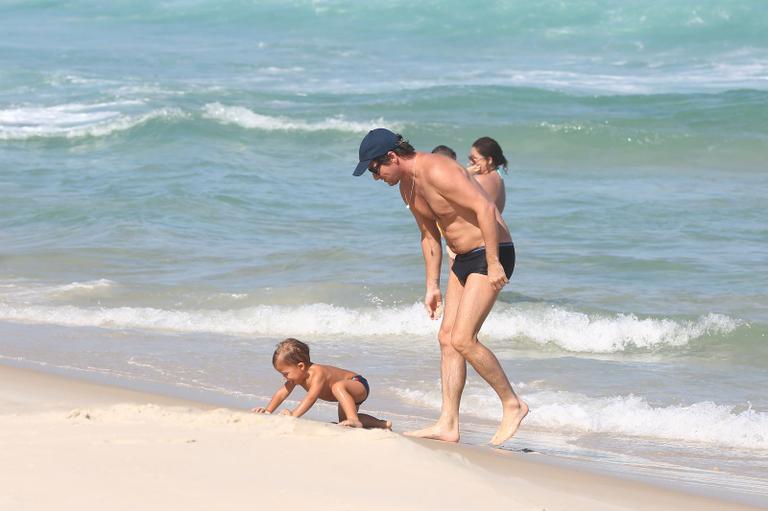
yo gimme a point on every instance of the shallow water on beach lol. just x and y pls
(176, 197)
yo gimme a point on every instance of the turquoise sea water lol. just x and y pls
(176, 196)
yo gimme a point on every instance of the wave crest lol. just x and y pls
(567, 330)
(74, 121)
(246, 118)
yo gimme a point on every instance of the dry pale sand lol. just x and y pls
(69, 444)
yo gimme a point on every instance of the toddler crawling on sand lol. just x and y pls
(291, 359)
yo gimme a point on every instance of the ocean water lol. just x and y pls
(176, 197)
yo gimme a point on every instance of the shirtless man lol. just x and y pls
(441, 192)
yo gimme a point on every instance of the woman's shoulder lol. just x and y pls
(489, 177)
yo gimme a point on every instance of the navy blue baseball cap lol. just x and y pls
(376, 143)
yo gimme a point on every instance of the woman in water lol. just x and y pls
(485, 158)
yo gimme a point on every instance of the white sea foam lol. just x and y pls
(573, 413)
(717, 77)
(246, 118)
(732, 70)
(31, 292)
(82, 287)
(75, 120)
(276, 70)
(727, 71)
(61, 78)
(580, 332)
(571, 331)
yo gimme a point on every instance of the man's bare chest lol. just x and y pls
(433, 206)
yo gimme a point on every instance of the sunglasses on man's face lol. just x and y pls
(374, 168)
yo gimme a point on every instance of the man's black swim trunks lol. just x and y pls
(474, 261)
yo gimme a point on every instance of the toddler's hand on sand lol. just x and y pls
(286, 412)
(260, 410)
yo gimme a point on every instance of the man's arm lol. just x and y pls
(432, 250)
(282, 393)
(460, 189)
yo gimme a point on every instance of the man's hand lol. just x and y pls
(496, 276)
(433, 302)
(260, 410)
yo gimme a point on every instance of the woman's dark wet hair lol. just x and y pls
(489, 148)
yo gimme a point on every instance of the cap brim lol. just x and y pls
(361, 167)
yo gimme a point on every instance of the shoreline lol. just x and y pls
(91, 441)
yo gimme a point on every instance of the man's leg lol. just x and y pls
(453, 371)
(476, 302)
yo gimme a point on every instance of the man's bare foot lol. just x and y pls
(513, 416)
(436, 432)
(388, 425)
(351, 424)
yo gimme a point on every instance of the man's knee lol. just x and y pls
(462, 343)
(444, 337)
